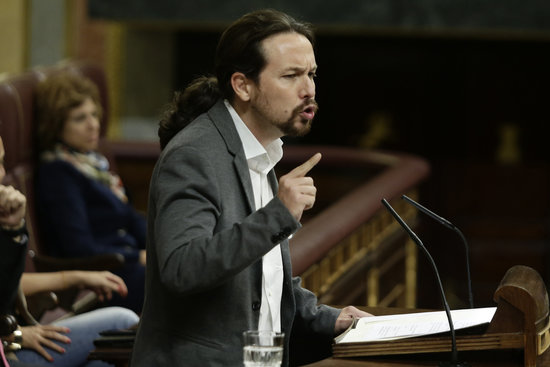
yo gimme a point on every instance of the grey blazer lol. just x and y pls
(205, 244)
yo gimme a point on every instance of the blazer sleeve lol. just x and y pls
(64, 217)
(194, 250)
(312, 317)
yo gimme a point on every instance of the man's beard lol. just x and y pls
(291, 128)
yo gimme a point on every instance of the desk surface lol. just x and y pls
(475, 359)
(120, 357)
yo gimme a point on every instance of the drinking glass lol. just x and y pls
(263, 348)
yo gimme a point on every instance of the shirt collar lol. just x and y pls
(259, 159)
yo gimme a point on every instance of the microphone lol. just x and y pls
(449, 225)
(414, 237)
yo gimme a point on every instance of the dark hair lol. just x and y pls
(56, 96)
(197, 98)
(239, 50)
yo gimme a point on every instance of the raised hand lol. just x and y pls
(296, 190)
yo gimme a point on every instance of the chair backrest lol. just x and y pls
(16, 115)
(17, 129)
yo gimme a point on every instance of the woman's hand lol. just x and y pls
(103, 283)
(12, 207)
(39, 336)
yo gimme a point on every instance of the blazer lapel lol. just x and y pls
(223, 122)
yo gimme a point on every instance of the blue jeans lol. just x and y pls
(84, 329)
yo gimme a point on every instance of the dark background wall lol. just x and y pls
(465, 14)
(462, 83)
(451, 100)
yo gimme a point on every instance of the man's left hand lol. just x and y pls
(346, 317)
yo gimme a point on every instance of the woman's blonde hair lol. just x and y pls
(56, 96)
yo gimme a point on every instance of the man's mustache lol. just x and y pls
(310, 103)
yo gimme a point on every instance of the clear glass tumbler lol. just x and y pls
(263, 348)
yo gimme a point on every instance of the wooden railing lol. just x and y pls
(352, 251)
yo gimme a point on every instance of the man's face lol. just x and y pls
(283, 100)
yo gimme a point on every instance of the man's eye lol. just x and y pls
(312, 75)
(289, 76)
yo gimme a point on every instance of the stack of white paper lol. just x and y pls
(390, 327)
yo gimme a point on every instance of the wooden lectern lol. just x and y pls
(521, 322)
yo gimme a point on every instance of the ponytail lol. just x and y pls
(201, 94)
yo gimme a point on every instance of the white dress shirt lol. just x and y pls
(260, 161)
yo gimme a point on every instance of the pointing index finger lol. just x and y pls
(305, 167)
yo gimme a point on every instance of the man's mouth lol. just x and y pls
(308, 113)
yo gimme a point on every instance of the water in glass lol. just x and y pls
(263, 356)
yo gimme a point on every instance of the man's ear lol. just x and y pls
(241, 85)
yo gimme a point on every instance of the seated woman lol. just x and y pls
(69, 341)
(81, 205)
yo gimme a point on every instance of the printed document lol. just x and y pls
(390, 327)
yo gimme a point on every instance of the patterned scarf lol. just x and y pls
(93, 165)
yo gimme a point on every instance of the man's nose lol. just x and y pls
(308, 88)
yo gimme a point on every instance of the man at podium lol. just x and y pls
(218, 258)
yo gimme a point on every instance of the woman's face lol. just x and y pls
(81, 129)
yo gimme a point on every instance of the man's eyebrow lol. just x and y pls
(300, 69)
